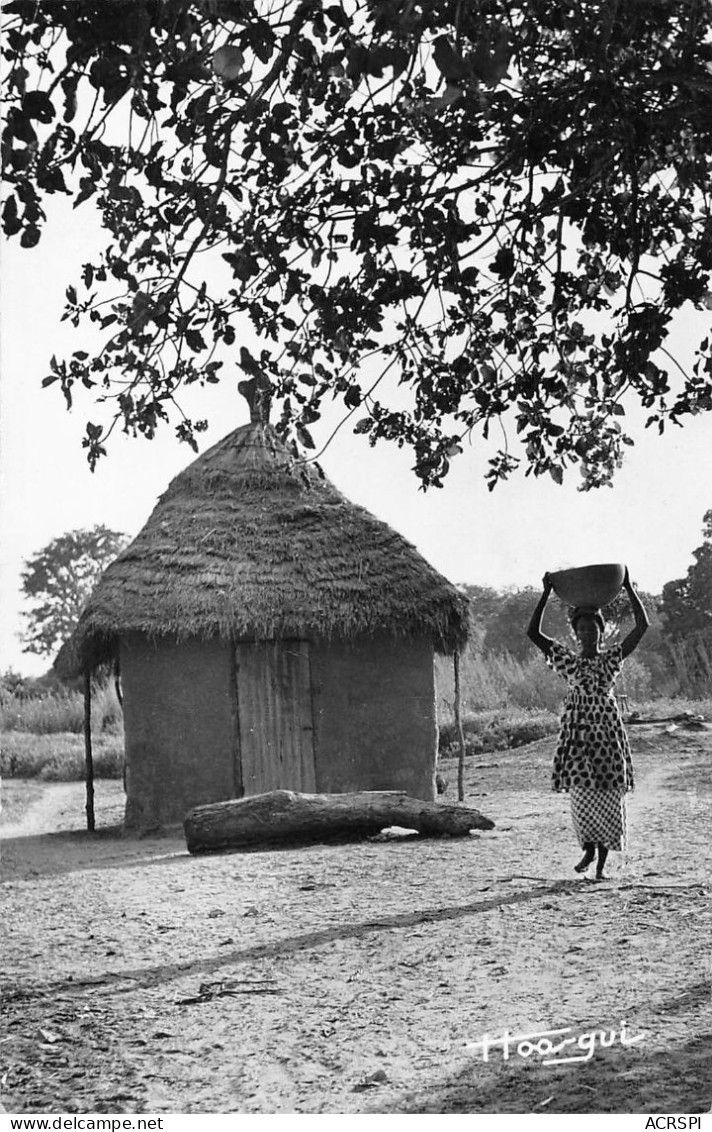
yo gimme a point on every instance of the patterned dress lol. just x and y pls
(592, 759)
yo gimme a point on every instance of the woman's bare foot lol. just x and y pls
(584, 862)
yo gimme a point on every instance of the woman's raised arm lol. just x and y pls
(534, 629)
(641, 618)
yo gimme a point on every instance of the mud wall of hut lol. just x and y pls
(180, 727)
(374, 710)
(371, 703)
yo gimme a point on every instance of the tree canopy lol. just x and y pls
(445, 215)
(58, 581)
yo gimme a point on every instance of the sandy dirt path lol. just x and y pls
(57, 806)
(351, 978)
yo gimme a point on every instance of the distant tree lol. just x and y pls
(686, 604)
(446, 215)
(35, 687)
(60, 578)
(484, 603)
(506, 630)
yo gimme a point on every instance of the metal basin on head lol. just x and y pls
(589, 586)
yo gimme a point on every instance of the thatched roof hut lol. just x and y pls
(251, 548)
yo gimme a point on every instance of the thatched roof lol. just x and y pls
(252, 542)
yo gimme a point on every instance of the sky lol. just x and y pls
(651, 519)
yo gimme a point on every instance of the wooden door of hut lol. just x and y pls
(275, 718)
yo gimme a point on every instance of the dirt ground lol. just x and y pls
(351, 978)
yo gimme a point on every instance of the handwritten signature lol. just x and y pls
(547, 1044)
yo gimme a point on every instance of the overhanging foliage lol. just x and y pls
(444, 214)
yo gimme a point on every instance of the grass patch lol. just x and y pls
(59, 757)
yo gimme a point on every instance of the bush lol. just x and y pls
(59, 757)
(498, 731)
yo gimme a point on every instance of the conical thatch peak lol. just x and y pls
(252, 542)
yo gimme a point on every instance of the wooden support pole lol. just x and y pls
(88, 754)
(117, 683)
(460, 732)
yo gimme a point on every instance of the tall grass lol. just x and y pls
(692, 663)
(489, 681)
(58, 713)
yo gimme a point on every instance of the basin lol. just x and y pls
(590, 586)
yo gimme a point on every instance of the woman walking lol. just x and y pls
(592, 759)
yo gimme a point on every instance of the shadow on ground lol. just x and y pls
(54, 854)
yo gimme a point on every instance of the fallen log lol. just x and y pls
(283, 815)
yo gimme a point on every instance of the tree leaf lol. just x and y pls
(449, 61)
(30, 236)
(304, 436)
(11, 222)
(195, 341)
(228, 63)
(37, 104)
